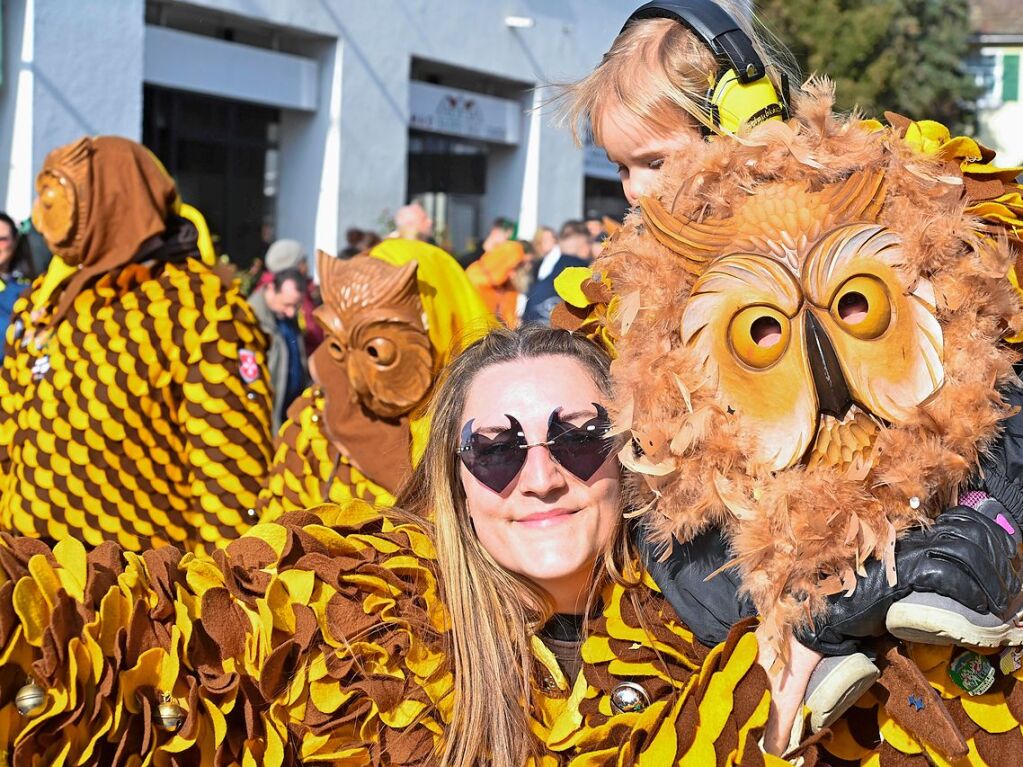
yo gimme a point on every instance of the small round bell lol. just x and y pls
(30, 698)
(629, 698)
(169, 715)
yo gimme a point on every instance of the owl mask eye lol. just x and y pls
(759, 335)
(862, 307)
(382, 351)
(391, 366)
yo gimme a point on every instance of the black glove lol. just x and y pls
(964, 555)
(709, 609)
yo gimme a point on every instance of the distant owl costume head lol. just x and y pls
(393, 317)
(808, 326)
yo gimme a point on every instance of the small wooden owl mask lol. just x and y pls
(808, 323)
(376, 335)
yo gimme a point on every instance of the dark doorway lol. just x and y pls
(223, 156)
(604, 197)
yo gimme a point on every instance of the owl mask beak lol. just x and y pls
(833, 396)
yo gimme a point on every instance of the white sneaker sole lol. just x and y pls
(934, 625)
(840, 689)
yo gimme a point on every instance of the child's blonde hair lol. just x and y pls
(660, 71)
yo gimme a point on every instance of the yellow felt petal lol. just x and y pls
(927, 136)
(203, 575)
(31, 609)
(843, 745)
(300, 584)
(989, 711)
(404, 714)
(896, 736)
(961, 147)
(716, 706)
(145, 673)
(663, 748)
(328, 695)
(45, 577)
(275, 536)
(569, 285)
(70, 553)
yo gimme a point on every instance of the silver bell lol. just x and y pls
(30, 698)
(169, 715)
(629, 698)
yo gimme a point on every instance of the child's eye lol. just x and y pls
(656, 164)
(623, 170)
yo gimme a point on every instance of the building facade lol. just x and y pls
(303, 118)
(998, 40)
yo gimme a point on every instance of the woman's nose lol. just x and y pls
(541, 474)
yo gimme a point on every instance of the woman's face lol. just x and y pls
(547, 524)
(638, 149)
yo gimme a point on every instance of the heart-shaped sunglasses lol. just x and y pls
(496, 461)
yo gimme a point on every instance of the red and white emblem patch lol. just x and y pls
(247, 365)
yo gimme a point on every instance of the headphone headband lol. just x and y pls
(715, 27)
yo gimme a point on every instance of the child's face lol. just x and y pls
(638, 149)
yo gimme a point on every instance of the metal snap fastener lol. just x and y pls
(314, 418)
(629, 698)
(251, 395)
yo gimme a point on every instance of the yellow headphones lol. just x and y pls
(742, 93)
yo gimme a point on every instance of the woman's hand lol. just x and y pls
(788, 686)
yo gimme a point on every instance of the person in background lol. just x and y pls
(572, 250)
(545, 240)
(595, 226)
(289, 254)
(493, 276)
(501, 230)
(412, 223)
(14, 276)
(276, 305)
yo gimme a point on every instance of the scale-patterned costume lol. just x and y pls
(355, 432)
(320, 639)
(134, 401)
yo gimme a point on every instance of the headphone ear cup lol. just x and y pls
(732, 104)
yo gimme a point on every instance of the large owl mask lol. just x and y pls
(808, 326)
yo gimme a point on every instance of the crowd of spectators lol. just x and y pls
(514, 276)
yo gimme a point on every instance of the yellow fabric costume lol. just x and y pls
(320, 639)
(307, 469)
(131, 421)
(134, 401)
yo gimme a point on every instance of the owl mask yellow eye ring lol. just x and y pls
(759, 335)
(862, 307)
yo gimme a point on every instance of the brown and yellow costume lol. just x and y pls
(134, 401)
(392, 318)
(321, 639)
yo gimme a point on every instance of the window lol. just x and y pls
(1010, 77)
(983, 67)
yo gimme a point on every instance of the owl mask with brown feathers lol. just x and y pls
(808, 330)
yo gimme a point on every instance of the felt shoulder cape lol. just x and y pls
(320, 638)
